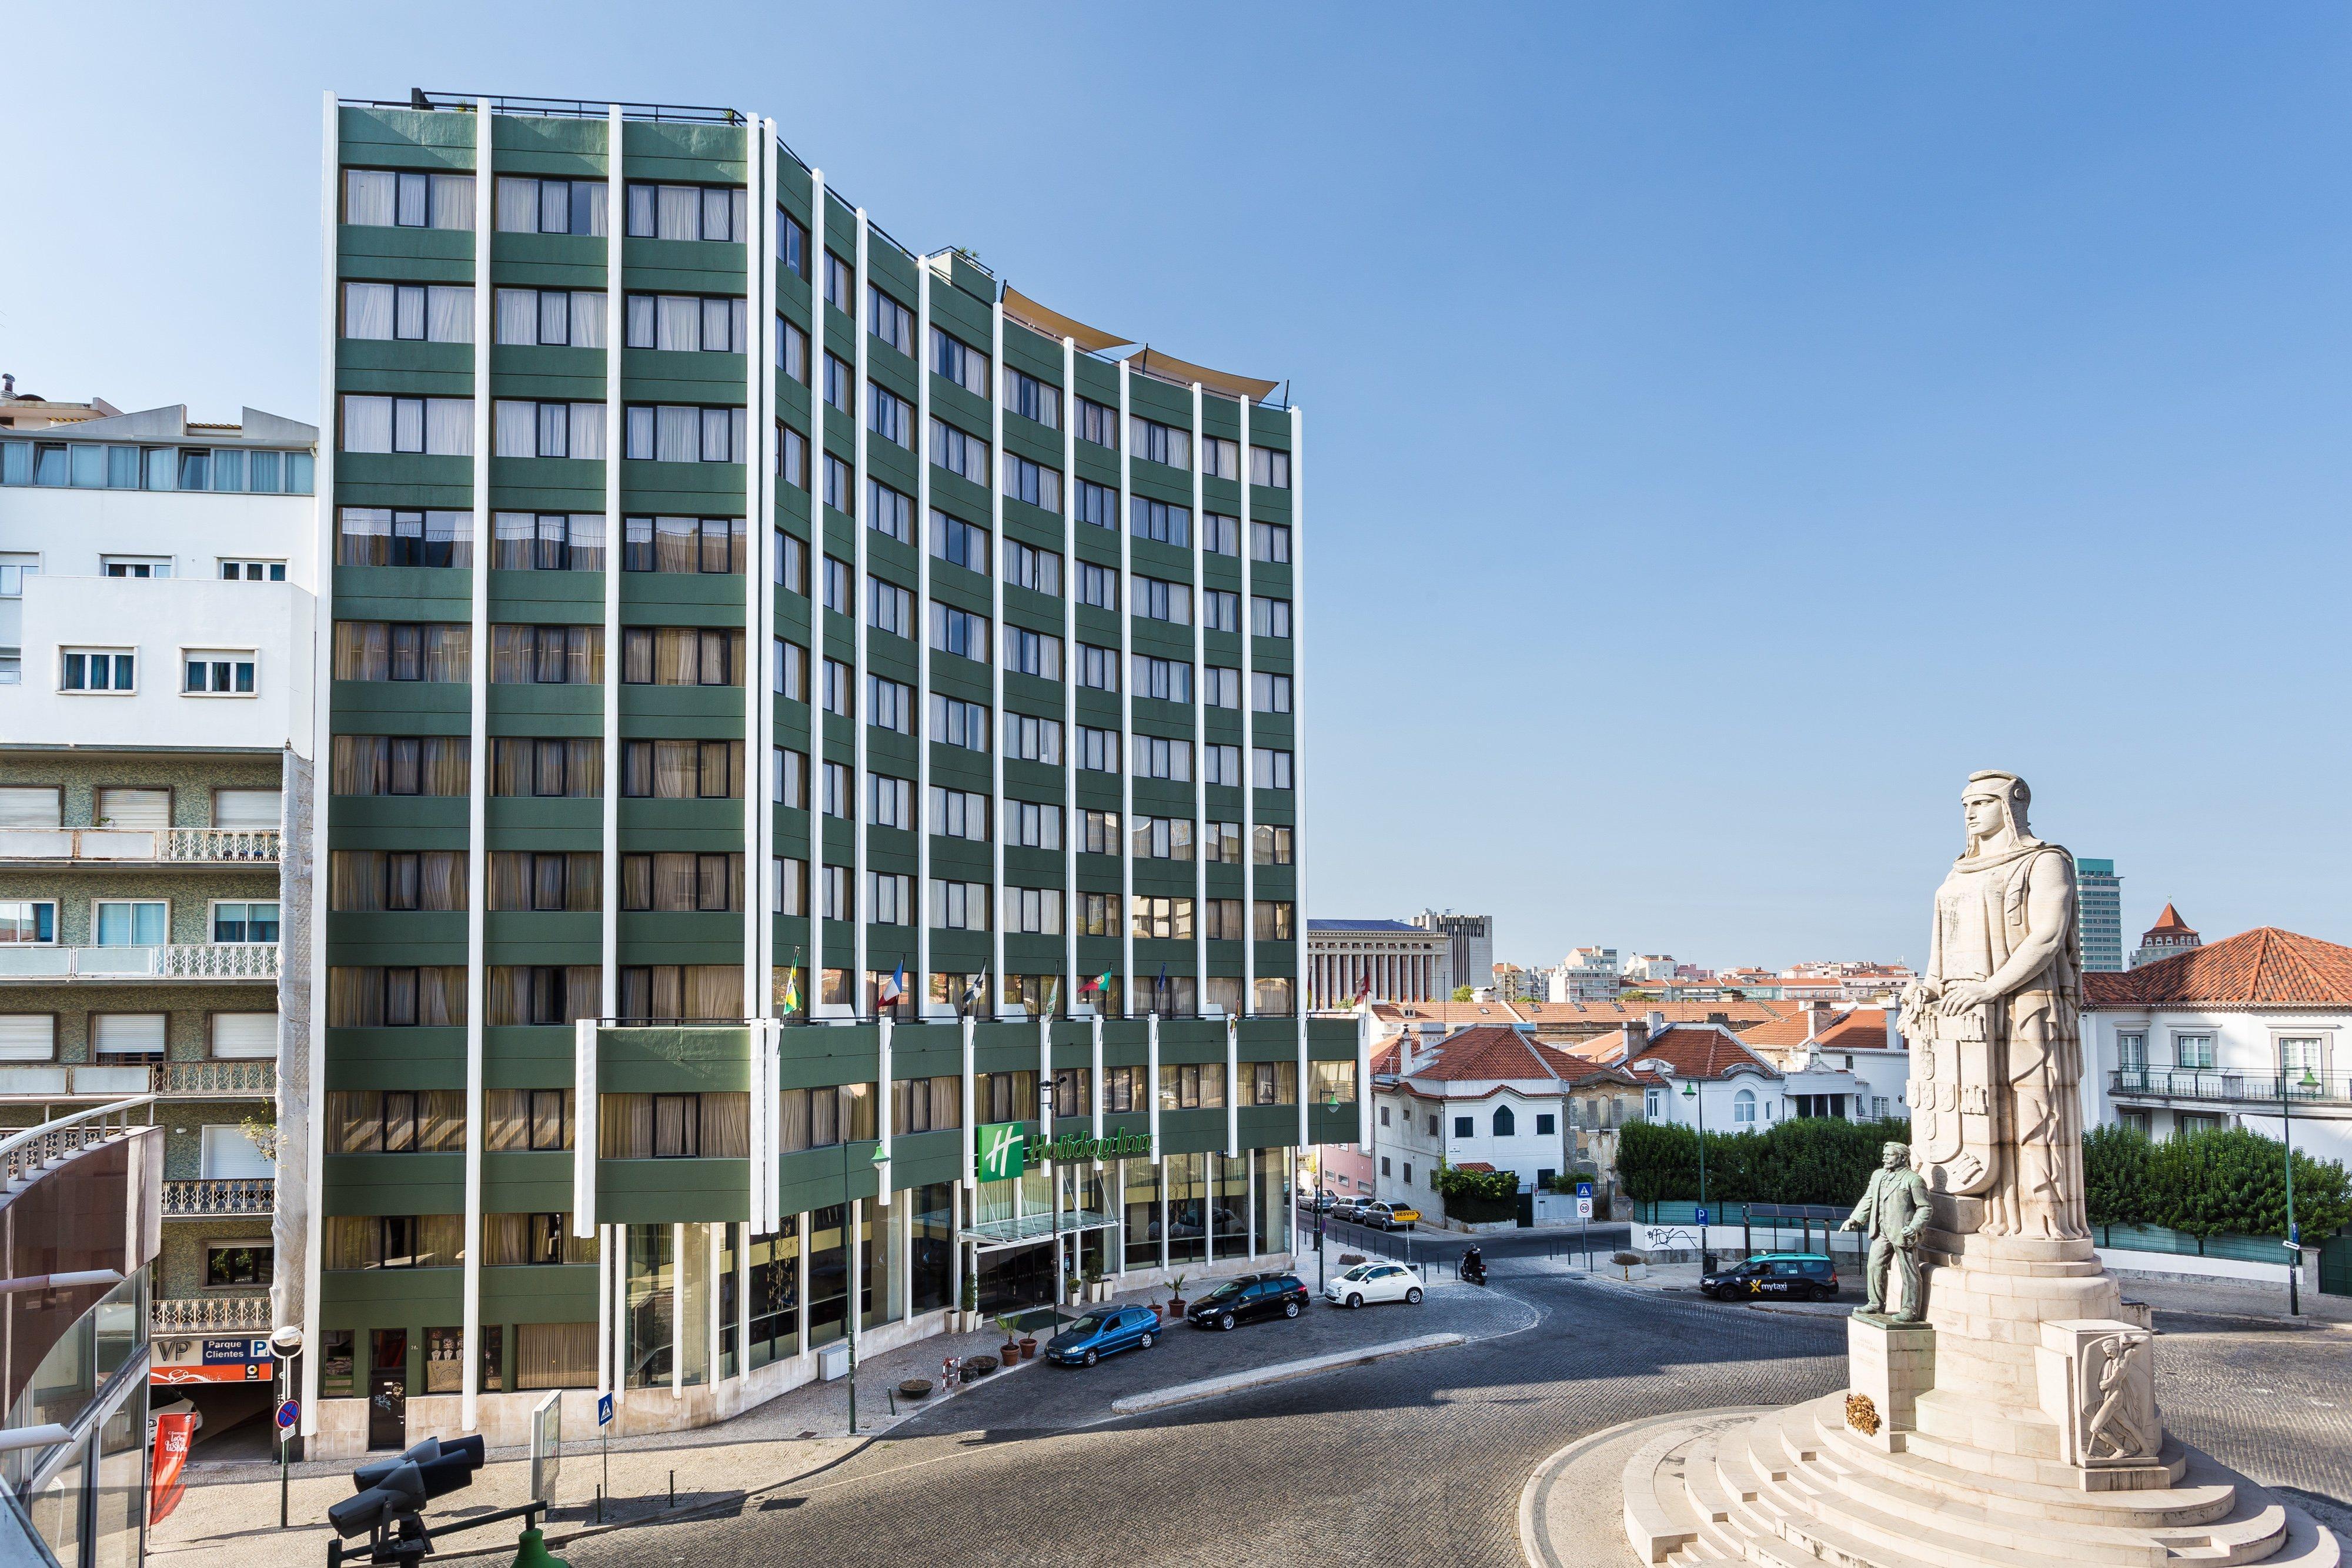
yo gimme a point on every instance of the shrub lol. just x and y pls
(1805, 1159)
(2234, 1180)
(2116, 1175)
(1476, 1198)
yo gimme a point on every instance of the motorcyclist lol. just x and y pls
(1474, 1266)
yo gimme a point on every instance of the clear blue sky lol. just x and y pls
(1729, 425)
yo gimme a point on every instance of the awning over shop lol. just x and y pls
(991, 1234)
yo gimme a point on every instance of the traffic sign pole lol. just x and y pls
(604, 1431)
(1584, 1219)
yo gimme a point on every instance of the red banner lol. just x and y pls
(172, 1434)
(168, 1376)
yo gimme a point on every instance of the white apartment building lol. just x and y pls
(1586, 975)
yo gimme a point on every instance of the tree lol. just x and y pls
(2116, 1178)
(1805, 1159)
(1463, 994)
(2232, 1180)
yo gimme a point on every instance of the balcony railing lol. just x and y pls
(180, 961)
(219, 1197)
(70, 1134)
(145, 846)
(166, 1079)
(211, 1314)
(2226, 1083)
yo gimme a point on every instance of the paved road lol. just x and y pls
(1409, 1461)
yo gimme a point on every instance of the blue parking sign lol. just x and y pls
(604, 1410)
(1702, 1217)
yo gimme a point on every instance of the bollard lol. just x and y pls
(673, 1489)
(600, 1505)
(531, 1551)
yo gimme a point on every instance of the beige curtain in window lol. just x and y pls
(857, 1106)
(584, 656)
(947, 1102)
(508, 881)
(714, 991)
(825, 1118)
(636, 882)
(512, 651)
(795, 1106)
(624, 1126)
(352, 1242)
(440, 1240)
(449, 650)
(583, 991)
(677, 544)
(506, 1239)
(441, 995)
(583, 767)
(354, 997)
(355, 1122)
(509, 998)
(726, 1126)
(441, 1122)
(678, 656)
(555, 1355)
(442, 879)
(674, 769)
(506, 1125)
(356, 765)
(355, 880)
(511, 768)
(583, 882)
(447, 765)
(362, 651)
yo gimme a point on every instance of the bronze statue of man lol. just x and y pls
(1893, 1212)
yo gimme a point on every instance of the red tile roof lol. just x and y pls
(1861, 1028)
(1487, 1052)
(1481, 1167)
(1701, 1050)
(2169, 924)
(2263, 967)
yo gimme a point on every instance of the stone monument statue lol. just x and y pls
(2019, 1409)
(1894, 1210)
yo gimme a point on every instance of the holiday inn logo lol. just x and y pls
(1002, 1145)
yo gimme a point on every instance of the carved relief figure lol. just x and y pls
(1995, 1025)
(2118, 1399)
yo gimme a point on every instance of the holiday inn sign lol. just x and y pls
(1003, 1148)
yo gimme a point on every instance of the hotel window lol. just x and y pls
(1269, 693)
(1270, 769)
(959, 454)
(1098, 504)
(1157, 599)
(1221, 687)
(433, 765)
(836, 887)
(432, 996)
(959, 724)
(840, 689)
(533, 207)
(889, 415)
(792, 457)
(960, 362)
(958, 813)
(891, 705)
(1271, 1083)
(682, 883)
(1163, 680)
(889, 803)
(1032, 824)
(890, 321)
(959, 905)
(1269, 617)
(547, 880)
(1034, 653)
(551, 317)
(24, 921)
(209, 673)
(1221, 535)
(1098, 423)
(1221, 610)
(569, 769)
(686, 323)
(1223, 844)
(1270, 467)
(1221, 920)
(1096, 750)
(680, 656)
(1220, 458)
(1032, 399)
(1161, 838)
(1030, 739)
(403, 651)
(1270, 542)
(674, 433)
(1269, 844)
(1036, 910)
(682, 769)
(1038, 569)
(1162, 918)
(1097, 914)
(790, 562)
(1273, 920)
(889, 608)
(525, 429)
(409, 312)
(1157, 442)
(838, 793)
(840, 285)
(1096, 667)
(791, 350)
(1221, 765)
(685, 212)
(840, 493)
(959, 631)
(687, 991)
(709, 545)
(1160, 522)
(1097, 585)
(837, 575)
(788, 778)
(546, 541)
(434, 427)
(2192, 1049)
(395, 1120)
(1099, 832)
(889, 898)
(792, 244)
(959, 543)
(547, 656)
(788, 676)
(1158, 758)
(889, 512)
(1026, 481)
(787, 885)
(384, 198)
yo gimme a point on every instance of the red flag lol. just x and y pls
(172, 1434)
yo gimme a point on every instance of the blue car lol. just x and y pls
(1104, 1332)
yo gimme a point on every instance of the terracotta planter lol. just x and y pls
(1008, 1353)
(1175, 1308)
(1028, 1349)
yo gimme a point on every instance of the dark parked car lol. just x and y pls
(1247, 1297)
(1775, 1276)
(1104, 1333)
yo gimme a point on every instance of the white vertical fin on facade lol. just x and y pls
(608, 984)
(1299, 838)
(1200, 591)
(1233, 1085)
(882, 1106)
(924, 827)
(1095, 1080)
(1151, 1088)
(995, 639)
(605, 1361)
(758, 537)
(1126, 738)
(860, 805)
(971, 1125)
(476, 796)
(1249, 760)
(1070, 819)
(584, 1127)
(813, 988)
(314, 1131)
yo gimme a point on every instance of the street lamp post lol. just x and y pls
(1706, 1253)
(2294, 1235)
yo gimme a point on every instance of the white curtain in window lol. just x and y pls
(596, 219)
(555, 206)
(680, 439)
(515, 429)
(681, 322)
(554, 317)
(29, 1037)
(587, 430)
(127, 1032)
(716, 334)
(518, 206)
(223, 1153)
(588, 317)
(453, 202)
(408, 313)
(408, 424)
(517, 316)
(367, 422)
(247, 809)
(449, 426)
(716, 426)
(679, 209)
(367, 310)
(368, 197)
(554, 430)
(449, 314)
(642, 309)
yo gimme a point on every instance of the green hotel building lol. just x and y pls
(810, 784)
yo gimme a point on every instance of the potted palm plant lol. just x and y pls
(1010, 1326)
(1176, 1296)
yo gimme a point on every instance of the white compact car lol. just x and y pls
(1368, 1282)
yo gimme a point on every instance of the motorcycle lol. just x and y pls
(1473, 1267)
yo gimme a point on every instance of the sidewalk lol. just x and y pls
(229, 1517)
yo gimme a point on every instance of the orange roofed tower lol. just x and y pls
(2169, 938)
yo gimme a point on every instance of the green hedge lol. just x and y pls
(2224, 1181)
(1808, 1159)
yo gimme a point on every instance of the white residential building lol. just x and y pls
(1586, 975)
